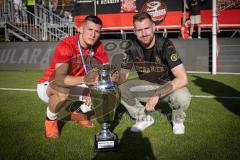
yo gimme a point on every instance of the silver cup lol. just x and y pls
(105, 99)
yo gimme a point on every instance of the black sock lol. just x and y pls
(50, 119)
(79, 111)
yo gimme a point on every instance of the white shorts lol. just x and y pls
(74, 91)
(42, 91)
(195, 19)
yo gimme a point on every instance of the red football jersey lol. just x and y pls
(184, 28)
(67, 51)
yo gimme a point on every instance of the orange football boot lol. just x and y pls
(51, 129)
(82, 119)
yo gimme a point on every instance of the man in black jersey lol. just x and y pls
(162, 77)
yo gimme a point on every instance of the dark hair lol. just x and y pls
(93, 19)
(141, 16)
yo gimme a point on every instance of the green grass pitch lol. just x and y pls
(212, 126)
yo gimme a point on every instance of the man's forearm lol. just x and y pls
(67, 81)
(165, 90)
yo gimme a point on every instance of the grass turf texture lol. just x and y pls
(212, 126)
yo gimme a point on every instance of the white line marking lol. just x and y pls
(216, 97)
(18, 89)
(194, 96)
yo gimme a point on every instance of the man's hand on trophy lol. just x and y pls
(91, 77)
(119, 75)
(115, 75)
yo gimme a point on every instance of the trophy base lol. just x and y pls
(106, 145)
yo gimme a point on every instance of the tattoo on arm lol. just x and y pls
(165, 90)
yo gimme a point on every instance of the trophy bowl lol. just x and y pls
(105, 98)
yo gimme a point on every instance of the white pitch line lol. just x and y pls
(18, 89)
(194, 96)
(216, 97)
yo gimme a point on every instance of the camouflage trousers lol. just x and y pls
(133, 92)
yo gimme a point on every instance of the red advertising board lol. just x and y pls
(168, 14)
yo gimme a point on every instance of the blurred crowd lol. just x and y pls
(23, 8)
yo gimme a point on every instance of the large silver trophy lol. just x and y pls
(105, 99)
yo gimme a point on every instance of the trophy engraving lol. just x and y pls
(105, 99)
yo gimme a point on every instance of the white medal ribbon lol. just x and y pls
(85, 66)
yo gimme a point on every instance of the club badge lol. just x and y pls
(128, 6)
(174, 57)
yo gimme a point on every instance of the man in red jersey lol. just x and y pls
(69, 72)
(184, 29)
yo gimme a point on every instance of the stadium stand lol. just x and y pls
(47, 24)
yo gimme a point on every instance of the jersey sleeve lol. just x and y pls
(62, 53)
(171, 56)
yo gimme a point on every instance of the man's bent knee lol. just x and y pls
(181, 99)
(62, 96)
(61, 92)
(126, 95)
